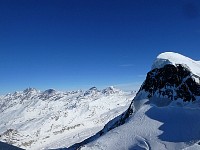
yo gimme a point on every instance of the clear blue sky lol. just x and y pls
(73, 44)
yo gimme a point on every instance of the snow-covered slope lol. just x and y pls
(165, 114)
(152, 127)
(32, 119)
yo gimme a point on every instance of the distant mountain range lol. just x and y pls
(33, 119)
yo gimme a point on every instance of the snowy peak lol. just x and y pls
(110, 90)
(30, 90)
(173, 76)
(30, 93)
(174, 59)
(107, 91)
(91, 91)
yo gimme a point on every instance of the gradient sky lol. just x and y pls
(73, 44)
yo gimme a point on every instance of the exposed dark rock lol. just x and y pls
(173, 82)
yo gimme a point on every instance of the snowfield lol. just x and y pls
(42, 120)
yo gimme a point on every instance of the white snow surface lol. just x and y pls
(152, 128)
(175, 58)
(31, 119)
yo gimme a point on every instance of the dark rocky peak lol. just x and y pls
(172, 82)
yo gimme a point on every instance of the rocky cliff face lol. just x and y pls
(172, 82)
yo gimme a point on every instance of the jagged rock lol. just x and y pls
(172, 82)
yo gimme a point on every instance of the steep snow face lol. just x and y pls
(175, 58)
(31, 119)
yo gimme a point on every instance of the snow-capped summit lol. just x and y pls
(110, 90)
(174, 59)
(30, 90)
(173, 76)
(91, 91)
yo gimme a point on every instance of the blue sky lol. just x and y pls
(73, 44)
